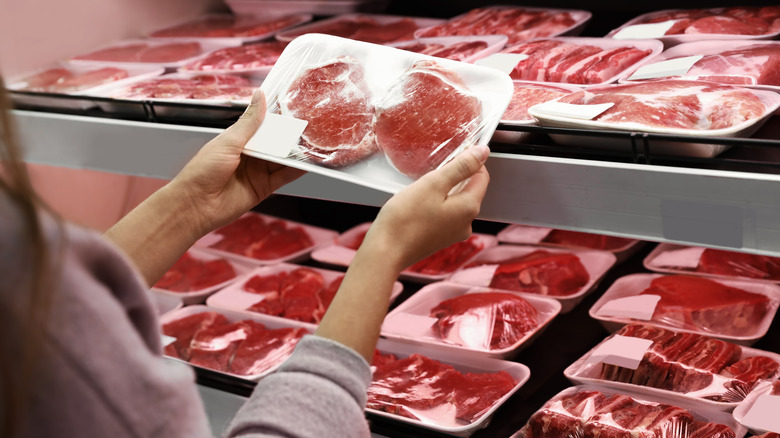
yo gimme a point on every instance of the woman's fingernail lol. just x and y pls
(480, 151)
(257, 95)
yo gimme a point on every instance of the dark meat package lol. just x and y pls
(754, 64)
(435, 267)
(674, 365)
(676, 26)
(673, 107)
(457, 48)
(516, 22)
(230, 29)
(254, 59)
(284, 290)
(732, 310)
(517, 234)
(526, 94)
(262, 239)
(593, 411)
(167, 54)
(376, 115)
(370, 28)
(247, 347)
(198, 274)
(565, 275)
(479, 320)
(444, 391)
(758, 412)
(710, 262)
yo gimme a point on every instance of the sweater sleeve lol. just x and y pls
(320, 391)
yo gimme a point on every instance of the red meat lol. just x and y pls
(334, 98)
(213, 347)
(426, 115)
(190, 274)
(729, 21)
(246, 57)
(748, 371)
(448, 259)
(506, 317)
(474, 393)
(738, 264)
(226, 27)
(184, 329)
(586, 240)
(123, 53)
(525, 96)
(300, 295)
(398, 30)
(220, 87)
(263, 349)
(281, 244)
(542, 272)
(460, 51)
(265, 284)
(171, 52)
(251, 236)
(46, 80)
(711, 430)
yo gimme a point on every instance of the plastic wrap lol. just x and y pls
(370, 28)
(692, 368)
(684, 108)
(228, 342)
(230, 29)
(517, 23)
(525, 95)
(280, 8)
(253, 59)
(456, 48)
(391, 116)
(146, 52)
(565, 275)
(758, 412)
(585, 411)
(736, 311)
(488, 322)
(530, 235)
(285, 290)
(710, 262)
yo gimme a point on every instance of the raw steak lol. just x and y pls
(425, 116)
(579, 239)
(711, 430)
(334, 98)
(300, 294)
(184, 330)
(448, 259)
(263, 349)
(367, 29)
(121, 53)
(240, 58)
(488, 320)
(145, 52)
(209, 87)
(692, 105)
(213, 347)
(707, 305)
(458, 51)
(61, 80)
(741, 20)
(754, 65)
(526, 95)
(542, 272)
(226, 27)
(738, 264)
(190, 274)
(251, 236)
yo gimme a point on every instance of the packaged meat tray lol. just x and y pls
(518, 23)
(671, 107)
(385, 128)
(752, 64)
(732, 310)
(518, 234)
(435, 267)
(758, 412)
(243, 346)
(280, 8)
(168, 54)
(676, 366)
(165, 303)
(584, 61)
(252, 59)
(710, 262)
(198, 274)
(676, 26)
(469, 319)
(442, 391)
(370, 28)
(263, 239)
(593, 411)
(285, 291)
(456, 48)
(566, 275)
(526, 94)
(230, 29)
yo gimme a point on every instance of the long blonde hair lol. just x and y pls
(16, 373)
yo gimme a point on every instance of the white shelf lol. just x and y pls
(732, 210)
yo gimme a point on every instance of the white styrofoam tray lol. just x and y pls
(314, 27)
(295, 20)
(743, 409)
(205, 47)
(398, 326)
(258, 72)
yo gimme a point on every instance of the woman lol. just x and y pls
(80, 340)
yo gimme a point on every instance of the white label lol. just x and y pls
(764, 414)
(641, 31)
(277, 135)
(410, 325)
(167, 340)
(476, 276)
(503, 62)
(663, 69)
(569, 110)
(622, 351)
(636, 307)
(679, 258)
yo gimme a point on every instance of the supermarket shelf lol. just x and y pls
(711, 207)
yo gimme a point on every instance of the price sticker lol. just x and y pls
(504, 62)
(764, 413)
(569, 110)
(665, 69)
(642, 31)
(477, 276)
(639, 307)
(411, 325)
(277, 135)
(622, 351)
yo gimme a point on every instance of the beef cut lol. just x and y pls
(579, 239)
(426, 115)
(364, 28)
(301, 294)
(184, 329)
(232, 26)
(739, 264)
(239, 58)
(191, 274)
(739, 20)
(526, 95)
(457, 51)
(145, 52)
(336, 101)
(447, 260)
(62, 80)
(758, 64)
(206, 87)
(253, 236)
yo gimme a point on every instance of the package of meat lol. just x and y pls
(566, 275)
(435, 267)
(198, 274)
(229, 29)
(165, 303)
(518, 23)
(146, 52)
(584, 61)
(710, 262)
(676, 26)
(262, 239)
(457, 48)
(479, 320)
(518, 234)
(254, 59)
(320, 8)
(285, 291)
(732, 310)
(378, 124)
(758, 412)
(370, 28)
(594, 411)
(752, 64)
(243, 346)
(442, 391)
(674, 107)
(667, 364)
